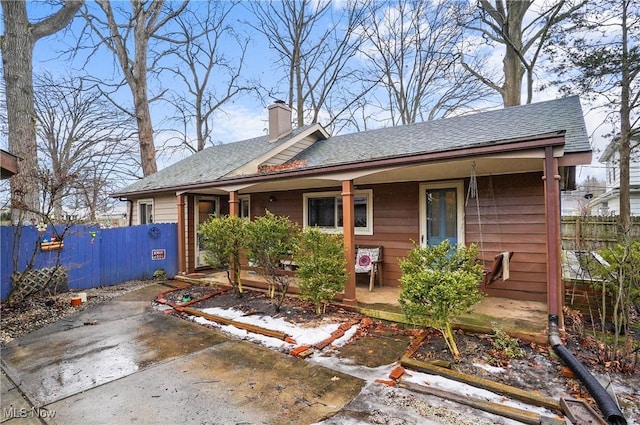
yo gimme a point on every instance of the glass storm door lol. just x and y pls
(441, 215)
(205, 209)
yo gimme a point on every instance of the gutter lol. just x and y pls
(608, 407)
(499, 147)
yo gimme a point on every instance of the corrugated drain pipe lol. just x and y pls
(607, 406)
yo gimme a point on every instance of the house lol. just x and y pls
(576, 202)
(8, 164)
(393, 187)
(608, 203)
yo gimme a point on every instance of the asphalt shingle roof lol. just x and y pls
(461, 132)
(482, 129)
(209, 164)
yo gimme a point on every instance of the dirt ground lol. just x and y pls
(376, 342)
(379, 342)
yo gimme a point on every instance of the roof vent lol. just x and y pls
(279, 120)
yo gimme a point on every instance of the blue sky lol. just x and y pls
(245, 117)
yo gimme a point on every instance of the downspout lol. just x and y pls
(607, 405)
(130, 202)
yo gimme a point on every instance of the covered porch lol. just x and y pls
(526, 320)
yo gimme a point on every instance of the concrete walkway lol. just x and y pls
(123, 362)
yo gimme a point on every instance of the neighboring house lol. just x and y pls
(8, 164)
(609, 202)
(407, 183)
(577, 202)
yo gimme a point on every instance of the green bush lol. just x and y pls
(223, 238)
(271, 239)
(618, 277)
(507, 345)
(439, 283)
(321, 267)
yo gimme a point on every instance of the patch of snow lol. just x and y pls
(442, 383)
(490, 369)
(302, 335)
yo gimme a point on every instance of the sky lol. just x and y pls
(246, 116)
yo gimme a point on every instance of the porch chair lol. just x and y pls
(369, 260)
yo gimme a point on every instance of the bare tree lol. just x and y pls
(503, 23)
(412, 50)
(599, 55)
(17, 42)
(210, 75)
(128, 36)
(83, 140)
(314, 46)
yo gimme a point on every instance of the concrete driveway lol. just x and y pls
(124, 362)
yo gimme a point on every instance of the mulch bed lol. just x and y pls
(255, 302)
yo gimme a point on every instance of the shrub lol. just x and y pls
(507, 345)
(160, 274)
(321, 267)
(618, 276)
(439, 283)
(271, 239)
(223, 238)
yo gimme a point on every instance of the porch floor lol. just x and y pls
(524, 319)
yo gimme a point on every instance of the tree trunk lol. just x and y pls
(624, 219)
(145, 129)
(17, 53)
(141, 100)
(512, 64)
(17, 58)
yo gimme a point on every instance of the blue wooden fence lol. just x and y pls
(93, 256)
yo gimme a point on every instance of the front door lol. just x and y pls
(441, 213)
(205, 209)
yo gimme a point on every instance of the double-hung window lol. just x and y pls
(324, 210)
(245, 207)
(145, 207)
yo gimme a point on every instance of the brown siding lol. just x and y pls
(396, 224)
(511, 219)
(287, 204)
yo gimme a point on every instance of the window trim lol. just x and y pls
(459, 186)
(242, 198)
(368, 193)
(147, 201)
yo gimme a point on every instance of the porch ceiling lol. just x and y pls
(449, 170)
(445, 170)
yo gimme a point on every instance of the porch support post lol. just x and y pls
(182, 253)
(234, 211)
(349, 241)
(552, 213)
(191, 234)
(234, 204)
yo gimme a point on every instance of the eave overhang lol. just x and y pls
(8, 164)
(534, 147)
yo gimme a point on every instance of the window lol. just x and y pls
(244, 207)
(325, 209)
(146, 211)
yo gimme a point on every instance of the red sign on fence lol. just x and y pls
(158, 254)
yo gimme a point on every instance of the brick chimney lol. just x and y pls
(279, 120)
